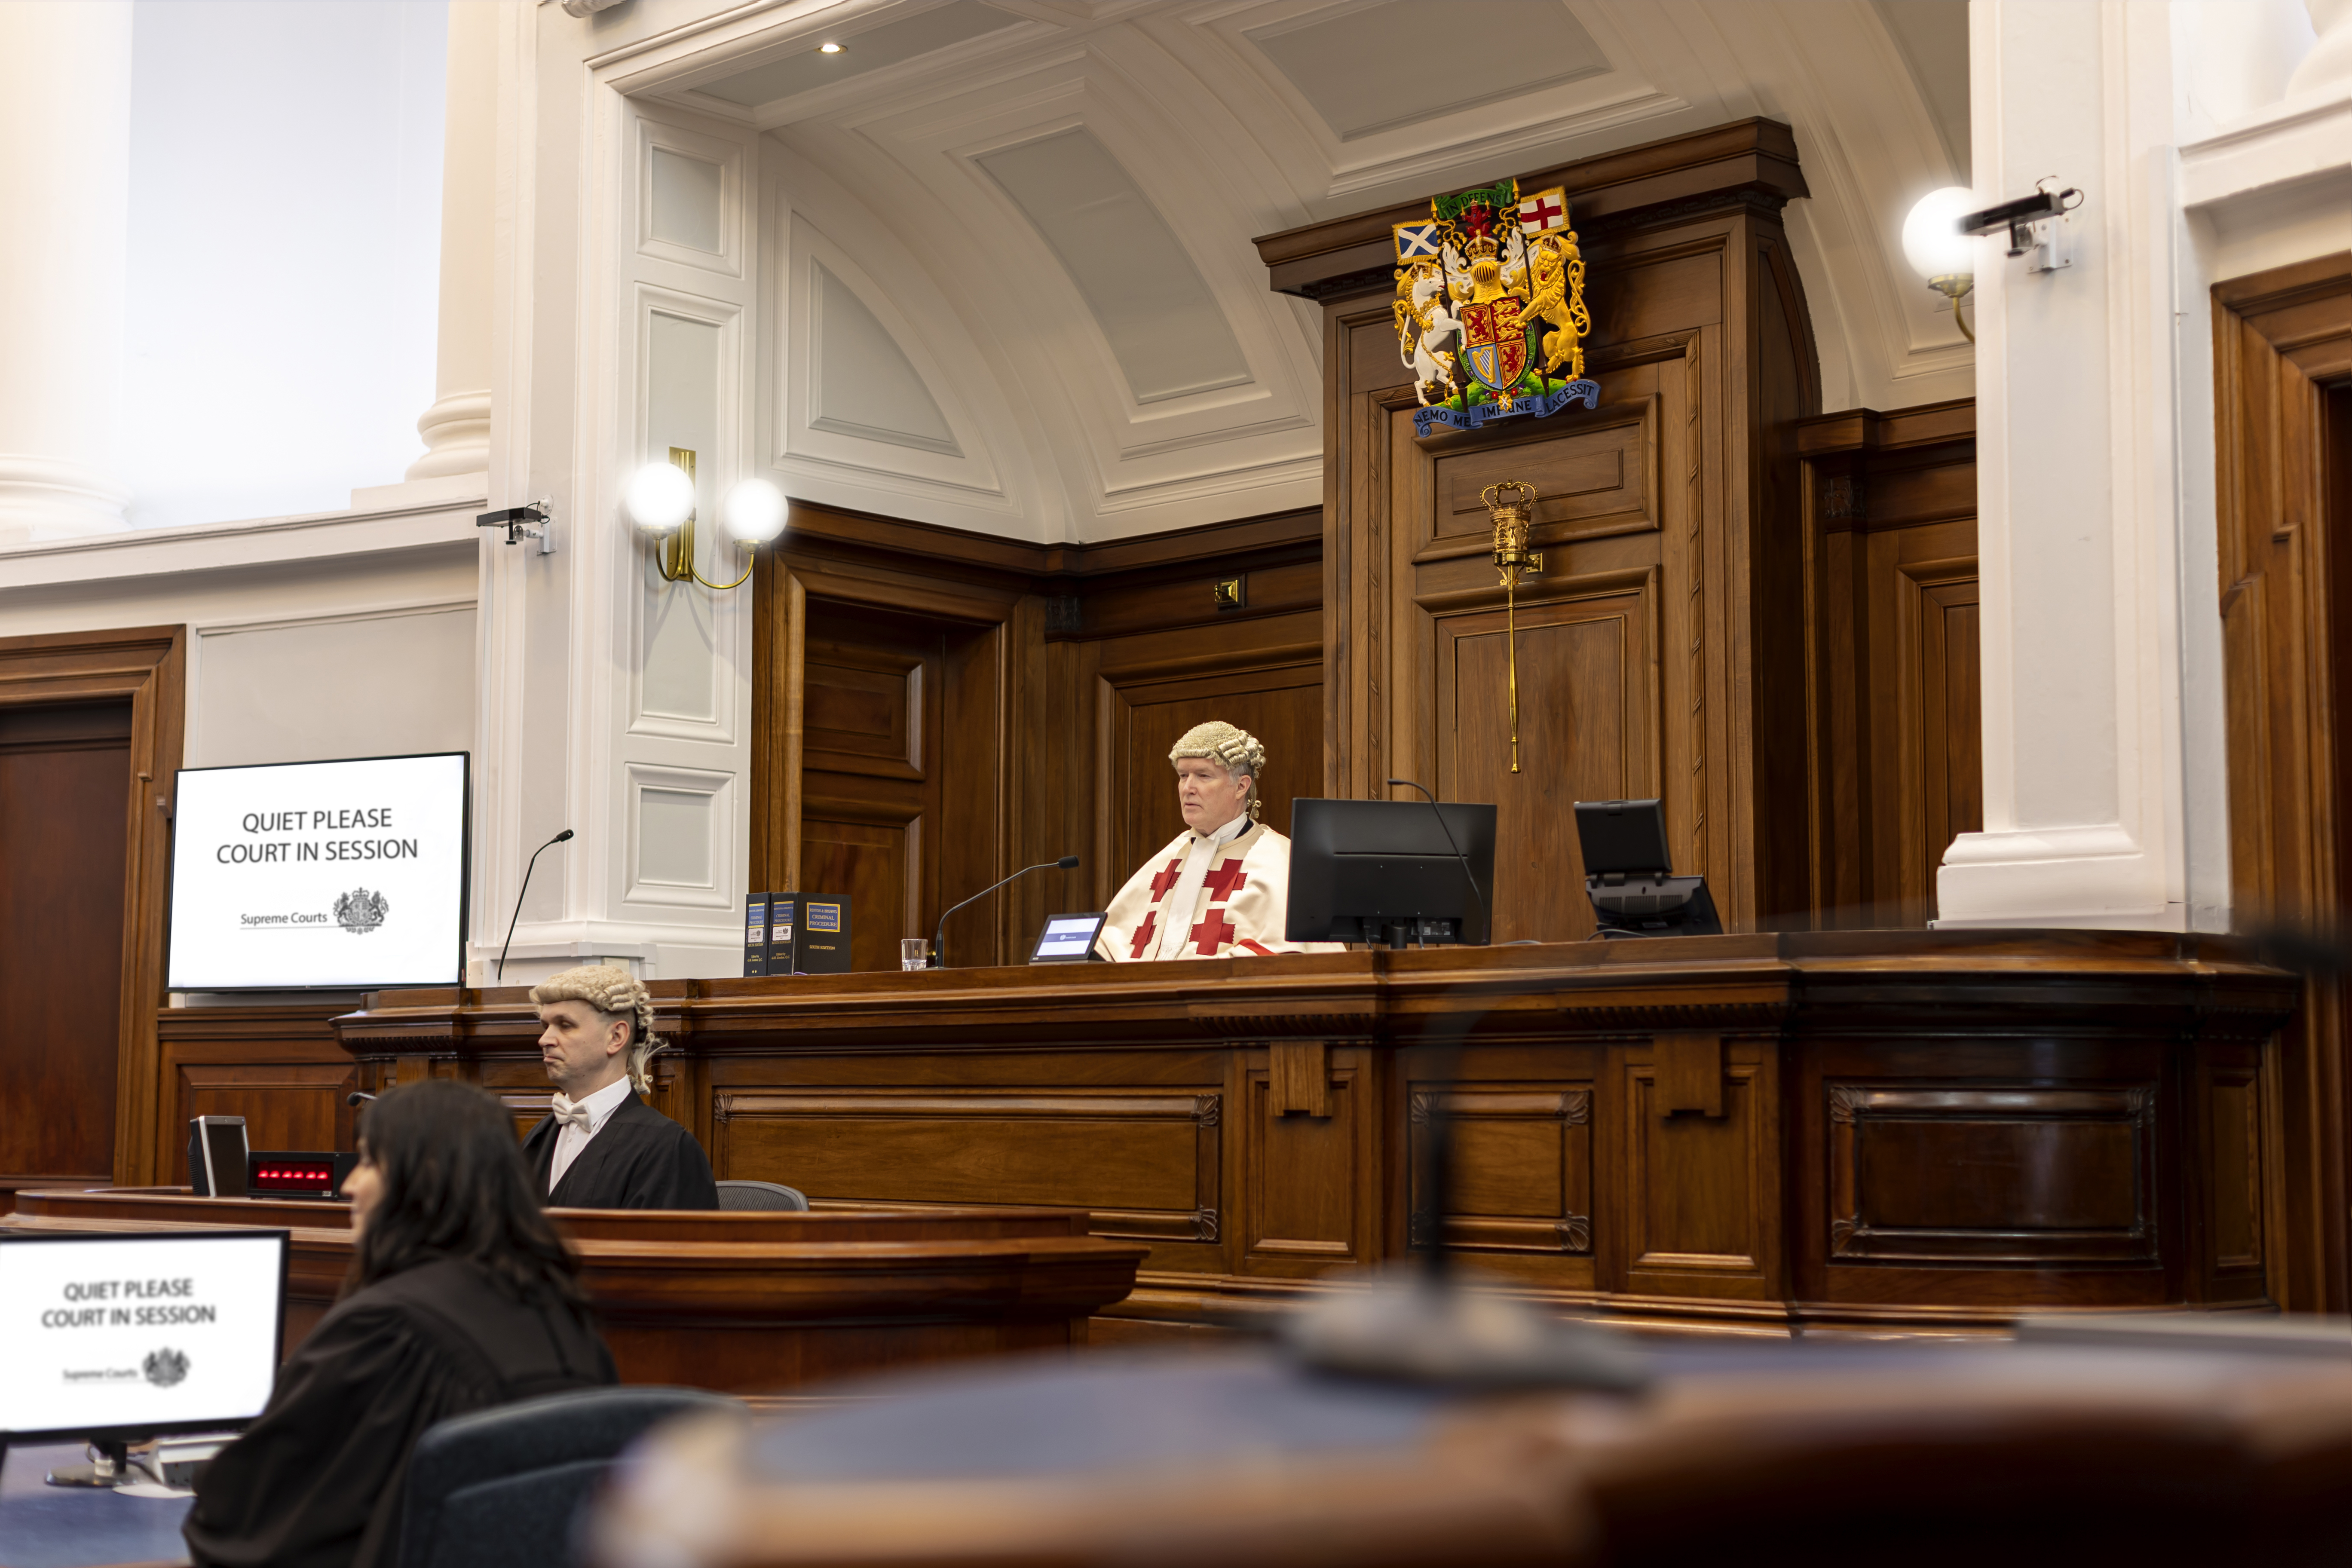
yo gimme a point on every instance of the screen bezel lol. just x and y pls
(207, 1128)
(1097, 916)
(465, 878)
(167, 1428)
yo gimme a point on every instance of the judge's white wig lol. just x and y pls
(615, 993)
(1230, 747)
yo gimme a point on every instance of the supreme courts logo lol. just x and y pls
(165, 1367)
(359, 911)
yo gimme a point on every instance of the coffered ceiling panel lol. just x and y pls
(1046, 208)
(1367, 68)
(1163, 324)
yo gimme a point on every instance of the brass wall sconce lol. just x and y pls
(1512, 504)
(660, 504)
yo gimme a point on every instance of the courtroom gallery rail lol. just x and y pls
(1867, 1131)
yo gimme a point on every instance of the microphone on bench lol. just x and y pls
(940, 936)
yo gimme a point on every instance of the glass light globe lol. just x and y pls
(753, 511)
(1932, 241)
(659, 499)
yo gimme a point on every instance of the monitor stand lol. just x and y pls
(112, 1467)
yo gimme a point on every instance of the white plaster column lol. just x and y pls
(2328, 68)
(65, 183)
(457, 428)
(2104, 804)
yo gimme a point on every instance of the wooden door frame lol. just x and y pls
(147, 665)
(2279, 338)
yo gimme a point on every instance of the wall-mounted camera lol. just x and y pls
(2035, 231)
(519, 520)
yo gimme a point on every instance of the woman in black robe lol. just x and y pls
(460, 1296)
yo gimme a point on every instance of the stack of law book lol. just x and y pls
(797, 933)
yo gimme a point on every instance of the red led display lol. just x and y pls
(292, 1176)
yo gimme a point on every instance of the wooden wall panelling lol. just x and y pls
(1025, 637)
(1890, 684)
(147, 668)
(1698, 1194)
(2095, 1086)
(1521, 1184)
(1308, 1178)
(2056, 1176)
(2081, 1172)
(279, 1067)
(1143, 704)
(1141, 1139)
(779, 623)
(1687, 471)
(2282, 360)
(65, 788)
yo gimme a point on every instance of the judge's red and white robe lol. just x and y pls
(1244, 889)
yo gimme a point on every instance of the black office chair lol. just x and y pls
(500, 1488)
(773, 1196)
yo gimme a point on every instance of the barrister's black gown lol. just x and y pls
(639, 1159)
(316, 1482)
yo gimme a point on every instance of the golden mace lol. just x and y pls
(1513, 506)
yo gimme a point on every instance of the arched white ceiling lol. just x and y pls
(1047, 206)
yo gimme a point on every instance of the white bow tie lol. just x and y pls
(561, 1107)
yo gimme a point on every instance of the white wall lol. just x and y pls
(367, 653)
(285, 252)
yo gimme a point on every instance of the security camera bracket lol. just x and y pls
(2034, 223)
(518, 519)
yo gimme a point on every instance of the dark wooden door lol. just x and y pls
(901, 787)
(65, 780)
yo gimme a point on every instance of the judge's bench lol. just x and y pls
(1914, 1130)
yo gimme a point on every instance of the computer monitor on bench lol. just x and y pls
(115, 1338)
(1629, 874)
(1393, 871)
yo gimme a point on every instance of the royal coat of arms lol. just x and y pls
(360, 911)
(1490, 313)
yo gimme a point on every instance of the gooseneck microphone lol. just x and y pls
(1485, 915)
(940, 936)
(526, 870)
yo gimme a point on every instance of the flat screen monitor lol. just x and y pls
(1388, 870)
(1623, 836)
(139, 1336)
(341, 876)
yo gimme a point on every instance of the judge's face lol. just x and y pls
(365, 1187)
(580, 1046)
(1209, 793)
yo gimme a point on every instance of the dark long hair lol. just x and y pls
(455, 1185)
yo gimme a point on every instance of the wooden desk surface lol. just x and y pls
(747, 1303)
(1864, 1131)
(1830, 1454)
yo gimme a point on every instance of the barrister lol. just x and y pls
(602, 1147)
(1220, 888)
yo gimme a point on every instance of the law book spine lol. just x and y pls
(755, 934)
(784, 929)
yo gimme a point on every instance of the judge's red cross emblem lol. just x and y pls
(1166, 879)
(1212, 933)
(1224, 881)
(1143, 933)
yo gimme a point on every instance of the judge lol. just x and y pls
(1220, 889)
(460, 1296)
(603, 1147)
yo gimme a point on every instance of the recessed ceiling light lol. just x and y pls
(828, 48)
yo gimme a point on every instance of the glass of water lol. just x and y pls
(914, 952)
